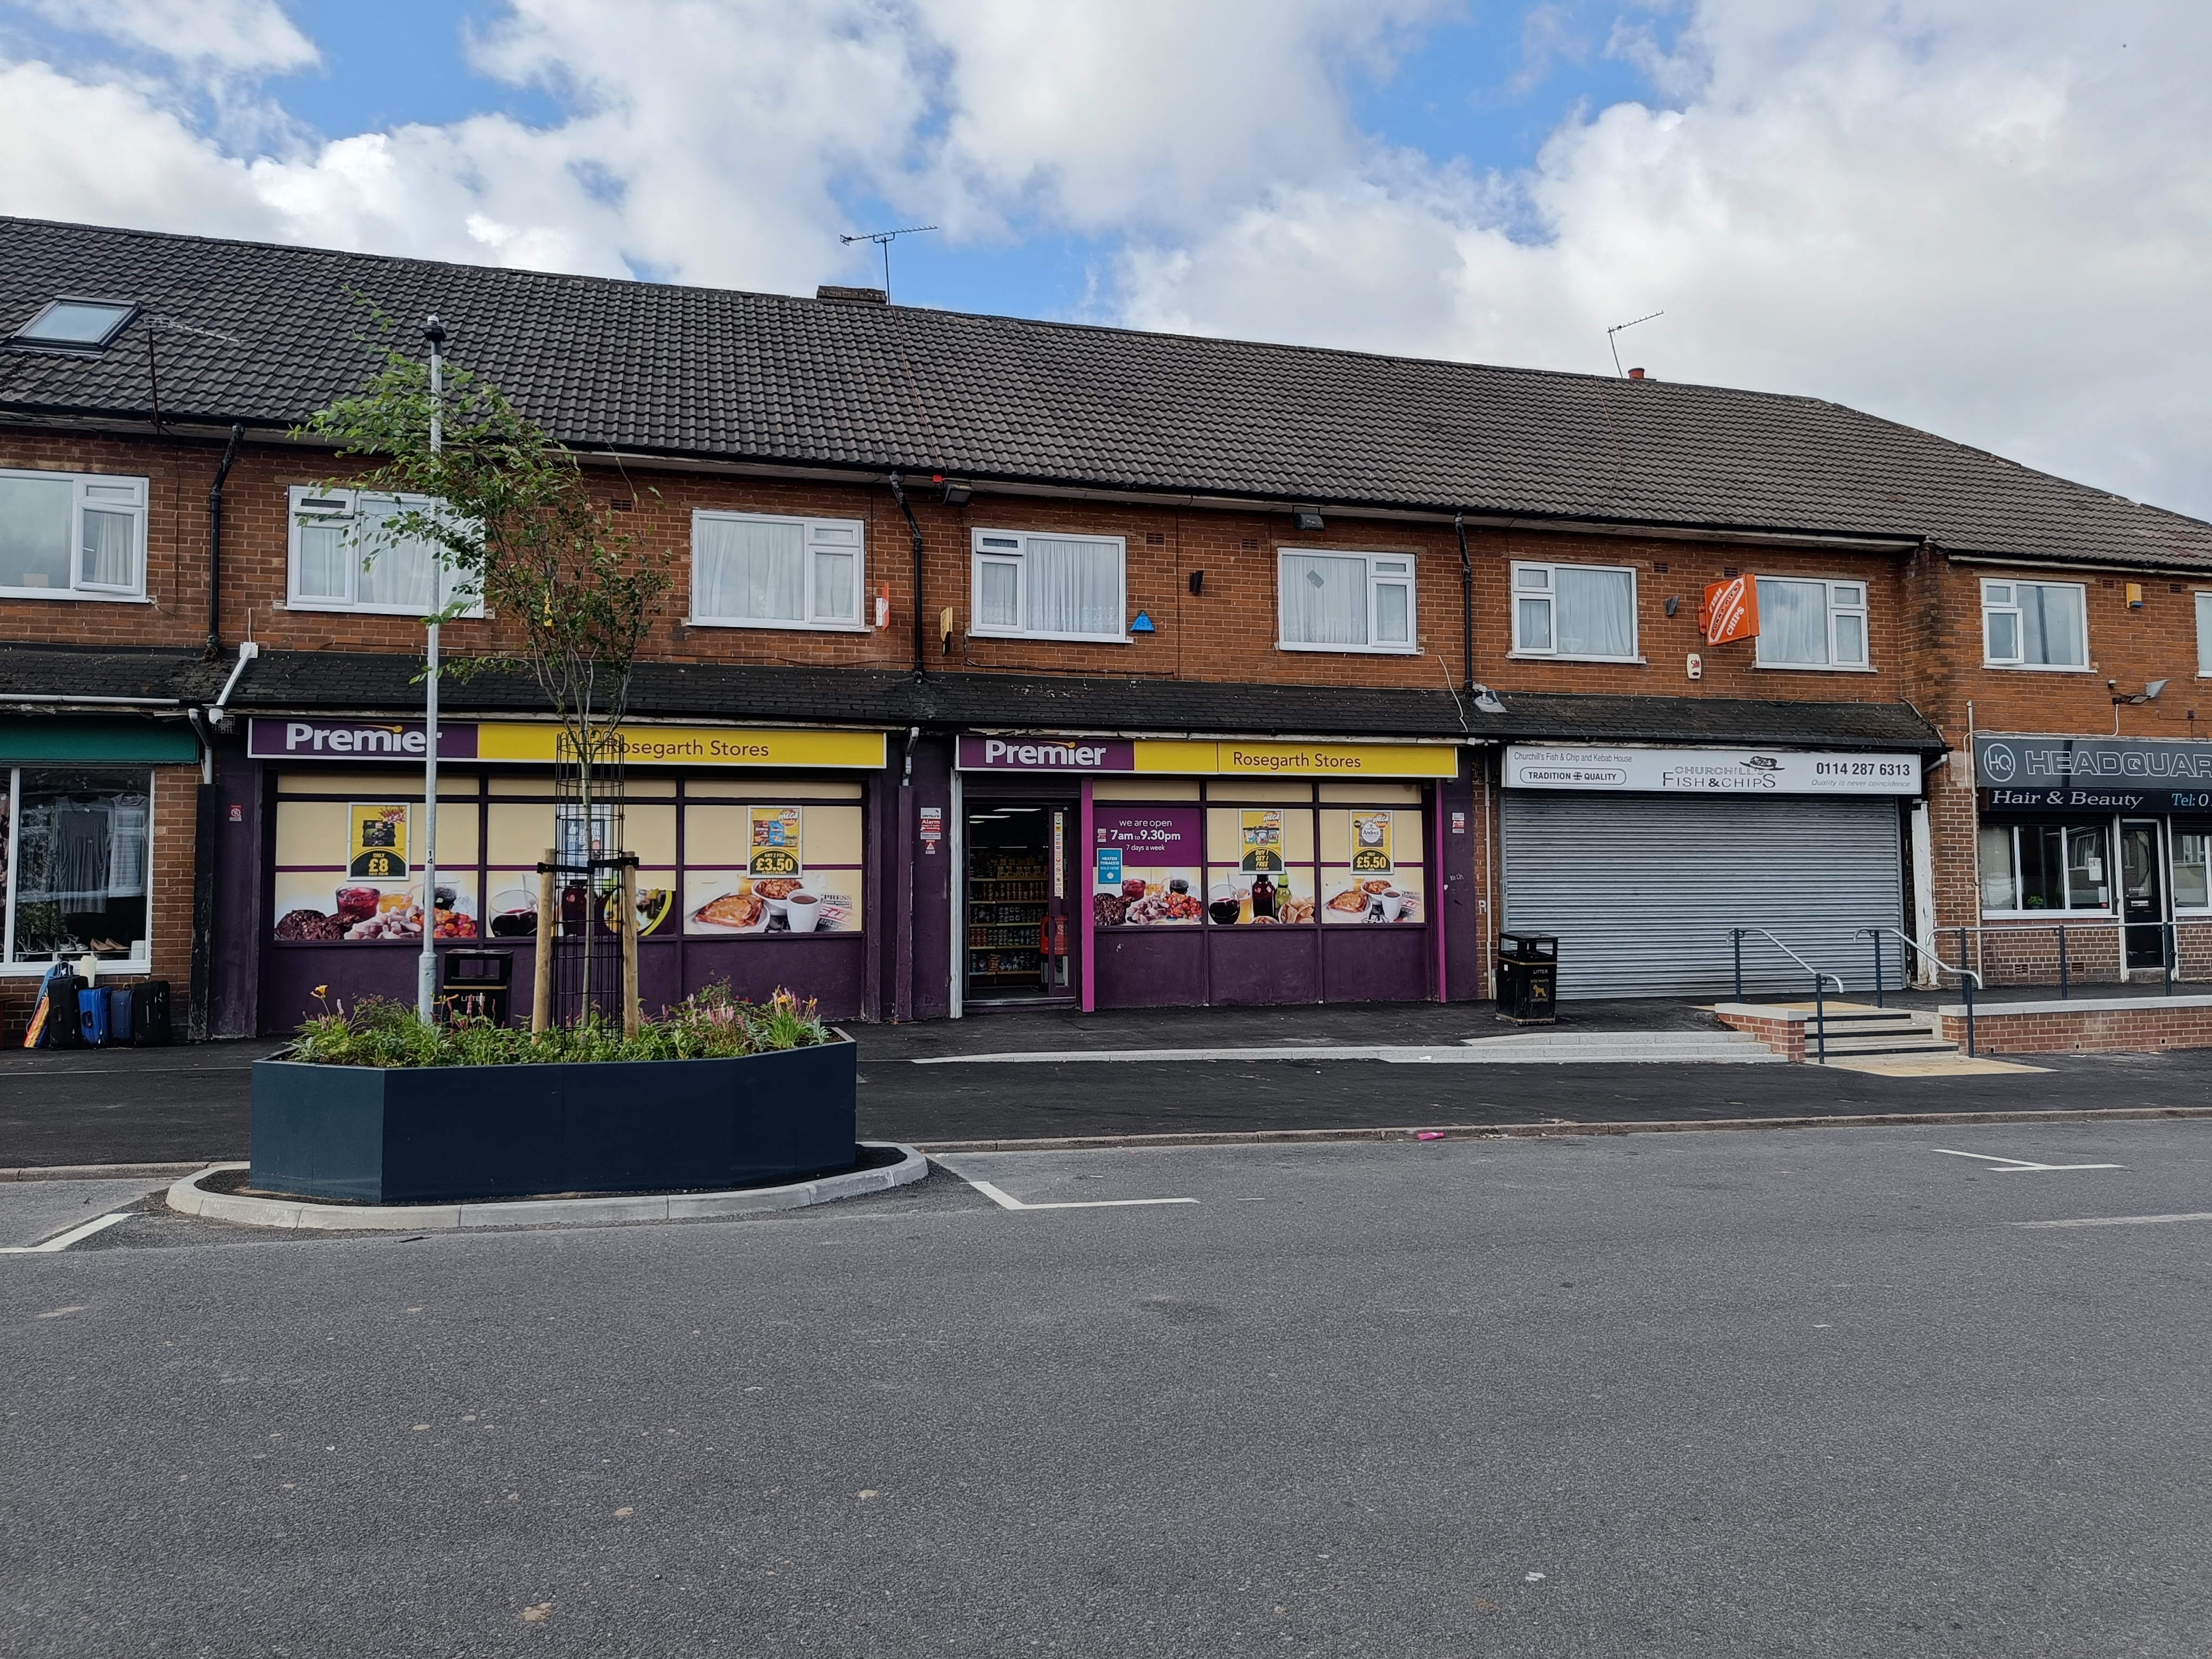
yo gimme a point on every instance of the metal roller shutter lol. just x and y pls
(1641, 890)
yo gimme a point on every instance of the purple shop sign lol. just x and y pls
(356, 740)
(1032, 754)
(1150, 837)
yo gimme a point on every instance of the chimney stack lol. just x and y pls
(1635, 374)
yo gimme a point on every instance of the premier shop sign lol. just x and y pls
(1711, 771)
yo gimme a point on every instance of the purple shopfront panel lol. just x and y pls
(1150, 838)
(832, 969)
(1386, 962)
(1263, 965)
(291, 973)
(1149, 967)
(317, 739)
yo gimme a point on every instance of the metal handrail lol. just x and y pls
(1970, 980)
(1820, 1002)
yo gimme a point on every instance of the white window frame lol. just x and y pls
(1829, 584)
(134, 507)
(2202, 600)
(306, 504)
(32, 967)
(1407, 579)
(2069, 910)
(2174, 833)
(2008, 604)
(859, 622)
(980, 555)
(1515, 594)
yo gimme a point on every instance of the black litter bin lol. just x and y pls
(478, 984)
(1529, 977)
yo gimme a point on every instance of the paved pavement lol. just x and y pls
(1716, 1394)
(130, 1106)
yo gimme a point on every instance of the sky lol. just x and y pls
(1987, 218)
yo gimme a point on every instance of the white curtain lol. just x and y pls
(998, 582)
(2050, 617)
(109, 544)
(1793, 621)
(833, 586)
(126, 857)
(747, 571)
(323, 553)
(1074, 588)
(34, 532)
(395, 571)
(2204, 633)
(1597, 611)
(1324, 599)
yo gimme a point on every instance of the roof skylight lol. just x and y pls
(68, 324)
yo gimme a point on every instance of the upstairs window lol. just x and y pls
(1344, 601)
(72, 535)
(1047, 587)
(346, 557)
(2035, 625)
(754, 570)
(73, 325)
(1582, 610)
(2203, 634)
(1805, 624)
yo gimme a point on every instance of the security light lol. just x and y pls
(1307, 518)
(957, 492)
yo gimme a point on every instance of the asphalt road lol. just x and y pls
(1812, 1393)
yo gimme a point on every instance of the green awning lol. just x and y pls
(36, 740)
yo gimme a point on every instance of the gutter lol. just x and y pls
(107, 702)
(1466, 600)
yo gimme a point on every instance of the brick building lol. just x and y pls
(1066, 663)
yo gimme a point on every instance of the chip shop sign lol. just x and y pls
(1230, 757)
(1712, 771)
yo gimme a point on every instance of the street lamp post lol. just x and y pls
(426, 984)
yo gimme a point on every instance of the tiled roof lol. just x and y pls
(267, 334)
(383, 683)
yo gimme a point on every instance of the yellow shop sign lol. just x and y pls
(1267, 757)
(692, 746)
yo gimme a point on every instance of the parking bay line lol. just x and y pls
(61, 1242)
(1006, 1201)
(2022, 1166)
(2119, 1220)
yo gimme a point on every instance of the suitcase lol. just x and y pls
(92, 1015)
(61, 1030)
(118, 1012)
(148, 1023)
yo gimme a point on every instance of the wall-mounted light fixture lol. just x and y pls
(1307, 518)
(957, 492)
(1673, 603)
(1198, 581)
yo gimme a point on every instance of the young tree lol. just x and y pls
(516, 524)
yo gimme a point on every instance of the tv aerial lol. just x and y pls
(883, 239)
(1611, 342)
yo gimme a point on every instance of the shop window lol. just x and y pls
(2035, 625)
(1344, 601)
(2192, 870)
(75, 863)
(1260, 865)
(1580, 611)
(2044, 868)
(1805, 623)
(2204, 634)
(753, 570)
(1371, 864)
(1039, 587)
(72, 535)
(347, 554)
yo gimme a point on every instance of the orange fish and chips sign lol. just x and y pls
(1731, 612)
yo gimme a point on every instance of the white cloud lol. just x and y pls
(1983, 216)
(1988, 219)
(235, 34)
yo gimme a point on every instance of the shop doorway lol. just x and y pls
(1021, 926)
(2142, 894)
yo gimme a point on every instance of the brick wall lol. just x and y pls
(2088, 1028)
(1780, 1030)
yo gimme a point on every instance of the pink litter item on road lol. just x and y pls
(1429, 1134)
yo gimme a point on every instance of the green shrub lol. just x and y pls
(711, 1026)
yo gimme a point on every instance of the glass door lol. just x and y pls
(2142, 894)
(1018, 910)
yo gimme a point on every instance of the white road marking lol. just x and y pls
(1006, 1201)
(2120, 1220)
(63, 1241)
(2022, 1166)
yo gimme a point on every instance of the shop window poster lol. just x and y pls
(375, 892)
(1369, 887)
(771, 891)
(1145, 866)
(1263, 840)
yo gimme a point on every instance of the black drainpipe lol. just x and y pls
(214, 543)
(1466, 600)
(899, 495)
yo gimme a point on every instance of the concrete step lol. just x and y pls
(1593, 1048)
(1857, 1047)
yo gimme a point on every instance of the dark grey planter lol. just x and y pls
(454, 1133)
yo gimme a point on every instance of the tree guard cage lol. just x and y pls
(588, 888)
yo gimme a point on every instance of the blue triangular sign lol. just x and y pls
(1142, 625)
